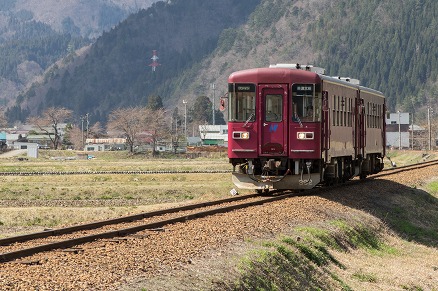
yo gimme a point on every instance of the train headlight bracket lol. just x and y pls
(305, 135)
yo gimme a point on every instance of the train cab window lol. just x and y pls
(306, 103)
(241, 99)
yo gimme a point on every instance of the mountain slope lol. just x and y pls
(388, 46)
(87, 18)
(34, 34)
(116, 72)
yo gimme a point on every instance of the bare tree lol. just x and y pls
(203, 130)
(49, 122)
(96, 131)
(157, 125)
(129, 121)
(75, 136)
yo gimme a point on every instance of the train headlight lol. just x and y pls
(305, 135)
(240, 135)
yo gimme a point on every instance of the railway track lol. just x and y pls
(62, 173)
(395, 170)
(146, 172)
(17, 247)
(13, 248)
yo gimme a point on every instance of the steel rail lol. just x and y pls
(139, 172)
(395, 170)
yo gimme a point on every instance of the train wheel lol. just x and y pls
(263, 192)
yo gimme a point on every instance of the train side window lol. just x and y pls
(334, 111)
(342, 111)
(368, 113)
(380, 116)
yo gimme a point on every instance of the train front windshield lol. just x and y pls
(306, 103)
(242, 100)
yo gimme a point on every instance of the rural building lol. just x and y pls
(105, 144)
(397, 130)
(214, 134)
(43, 140)
(194, 141)
(32, 148)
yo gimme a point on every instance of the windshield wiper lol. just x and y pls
(249, 119)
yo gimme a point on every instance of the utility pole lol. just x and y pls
(84, 118)
(88, 123)
(413, 112)
(428, 126)
(185, 120)
(82, 131)
(213, 86)
(399, 132)
(412, 131)
(171, 131)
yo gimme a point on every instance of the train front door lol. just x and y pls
(273, 123)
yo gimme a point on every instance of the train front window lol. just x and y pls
(241, 102)
(306, 103)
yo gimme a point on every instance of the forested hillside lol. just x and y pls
(387, 44)
(27, 48)
(35, 34)
(85, 18)
(116, 72)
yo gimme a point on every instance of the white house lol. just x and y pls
(105, 144)
(397, 130)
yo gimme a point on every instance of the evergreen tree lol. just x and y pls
(155, 102)
(202, 110)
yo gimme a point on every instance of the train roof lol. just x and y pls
(273, 76)
(353, 83)
(285, 73)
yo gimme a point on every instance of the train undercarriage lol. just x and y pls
(265, 174)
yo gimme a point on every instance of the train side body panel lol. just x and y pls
(341, 123)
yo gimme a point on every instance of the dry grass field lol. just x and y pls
(390, 231)
(32, 203)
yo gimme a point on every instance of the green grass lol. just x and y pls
(413, 214)
(301, 261)
(365, 277)
(432, 188)
(406, 157)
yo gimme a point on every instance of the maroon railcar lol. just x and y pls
(292, 127)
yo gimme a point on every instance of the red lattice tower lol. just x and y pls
(154, 59)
